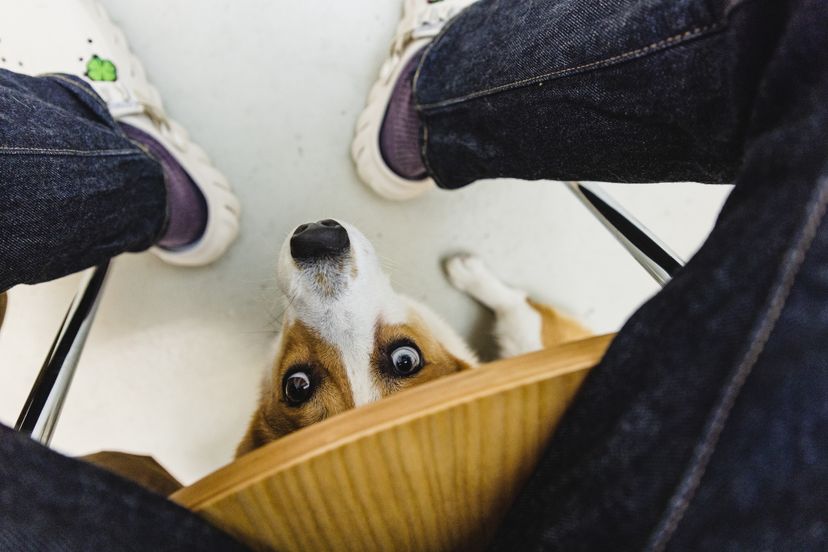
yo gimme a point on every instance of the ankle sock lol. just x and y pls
(187, 207)
(400, 131)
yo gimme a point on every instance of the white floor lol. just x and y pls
(271, 89)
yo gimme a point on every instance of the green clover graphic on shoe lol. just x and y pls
(99, 69)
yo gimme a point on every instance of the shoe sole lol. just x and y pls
(223, 208)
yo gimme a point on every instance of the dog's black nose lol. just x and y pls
(317, 240)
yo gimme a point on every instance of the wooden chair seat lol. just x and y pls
(432, 468)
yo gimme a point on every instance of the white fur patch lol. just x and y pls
(518, 327)
(518, 330)
(346, 319)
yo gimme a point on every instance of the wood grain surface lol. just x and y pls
(432, 468)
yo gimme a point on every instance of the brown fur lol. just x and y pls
(556, 328)
(437, 361)
(275, 418)
(2, 308)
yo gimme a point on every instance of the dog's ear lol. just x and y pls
(267, 424)
(258, 433)
(462, 365)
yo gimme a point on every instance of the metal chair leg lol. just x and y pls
(43, 406)
(650, 252)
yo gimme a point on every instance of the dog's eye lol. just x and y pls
(298, 388)
(406, 360)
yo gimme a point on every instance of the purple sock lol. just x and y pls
(400, 132)
(185, 202)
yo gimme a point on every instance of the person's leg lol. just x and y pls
(575, 90)
(564, 90)
(75, 190)
(50, 502)
(62, 147)
(703, 426)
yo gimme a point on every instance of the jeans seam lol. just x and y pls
(663, 44)
(66, 80)
(424, 156)
(89, 94)
(11, 150)
(693, 475)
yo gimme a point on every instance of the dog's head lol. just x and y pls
(347, 337)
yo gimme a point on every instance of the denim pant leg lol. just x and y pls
(704, 426)
(617, 90)
(52, 503)
(74, 191)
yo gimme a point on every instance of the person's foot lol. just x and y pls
(386, 146)
(77, 37)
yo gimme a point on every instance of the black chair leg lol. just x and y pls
(650, 252)
(43, 406)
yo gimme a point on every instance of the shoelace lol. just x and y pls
(428, 23)
(431, 20)
(123, 101)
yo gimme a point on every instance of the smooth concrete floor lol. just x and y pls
(271, 89)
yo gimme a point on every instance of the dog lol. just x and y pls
(349, 339)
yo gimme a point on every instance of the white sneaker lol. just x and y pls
(422, 20)
(77, 37)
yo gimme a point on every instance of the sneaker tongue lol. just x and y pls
(120, 110)
(119, 99)
(431, 20)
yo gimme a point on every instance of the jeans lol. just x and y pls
(705, 427)
(49, 502)
(74, 191)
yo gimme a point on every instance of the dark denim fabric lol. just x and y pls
(74, 191)
(612, 90)
(704, 427)
(52, 503)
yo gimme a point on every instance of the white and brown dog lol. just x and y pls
(349, 339)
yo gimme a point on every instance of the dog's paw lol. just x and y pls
(466, 272)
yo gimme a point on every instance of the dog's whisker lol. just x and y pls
(388, 264)
(257, 332)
